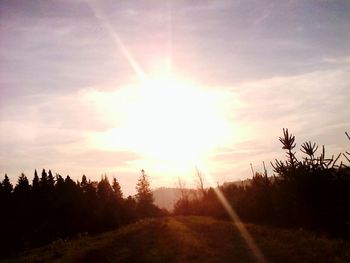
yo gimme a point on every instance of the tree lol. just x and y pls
(117, 189)
(50, 181)
(22, 186)
(43, 179)
(182, 205)
(35, 182)
(181, 185)
(144, 196)
(7, 186)
(59, 181)
(104, 189)
(84, 182)
(200, 182)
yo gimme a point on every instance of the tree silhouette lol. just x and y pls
(84, 182)
(22, 187)
(312, 193)
(117, 189)
(104, 189)
(50, 181)
(7, 186)
(144, 196)
(35, 182)
(43, 179)
(57, 207)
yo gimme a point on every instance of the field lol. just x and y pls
(190, 239)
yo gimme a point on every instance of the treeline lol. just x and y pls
(312, 192)
(53, 207)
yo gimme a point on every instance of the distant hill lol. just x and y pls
(189, 239)
(244, 182)
(166, 197)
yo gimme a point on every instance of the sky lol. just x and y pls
(113, 87)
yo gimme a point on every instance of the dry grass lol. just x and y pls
(190, 239)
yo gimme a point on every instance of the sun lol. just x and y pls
(172, 119)
(166, 119)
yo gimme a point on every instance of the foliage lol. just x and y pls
(312, 192)
(144, 197)
(54, 207)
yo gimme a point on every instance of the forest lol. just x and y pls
(53, 207)
(311, 192)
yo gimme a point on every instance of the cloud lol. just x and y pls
(311, 105)
(53, 131)
(337, 60)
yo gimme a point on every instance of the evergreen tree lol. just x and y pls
(35, 182)
(104, 189)
(144, 196)
(7, 186)
(22, 186)
(50, 180)
(117, 189)
(84, 181)
(43, 179)
(59, 180)
(58, 208)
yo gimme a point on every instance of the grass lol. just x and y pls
(190, 239)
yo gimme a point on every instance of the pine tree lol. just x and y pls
(84, 181)
(117, 189)
(43, 179)
(35, 182)
(50, 180)
(144, 196)
(59, 180)
(22, 186)
(7, 186)
(104, 189)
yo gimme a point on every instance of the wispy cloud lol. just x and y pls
(312, 105)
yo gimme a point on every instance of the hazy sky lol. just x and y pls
(70, 85)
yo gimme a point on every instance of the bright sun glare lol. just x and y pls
(169, 119)
(176, 120)
(164, 117)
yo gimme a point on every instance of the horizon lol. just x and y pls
(102, 87)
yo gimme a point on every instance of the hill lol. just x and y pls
(166, 197)
(190, 239)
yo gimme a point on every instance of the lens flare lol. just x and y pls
(116, 39)
(252, 246)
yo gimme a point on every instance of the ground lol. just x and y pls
(190, 239)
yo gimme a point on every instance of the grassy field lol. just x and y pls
(190, 239)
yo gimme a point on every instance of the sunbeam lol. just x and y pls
(116, 39)
(252, 246)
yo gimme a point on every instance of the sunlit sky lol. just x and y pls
(118, 86)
